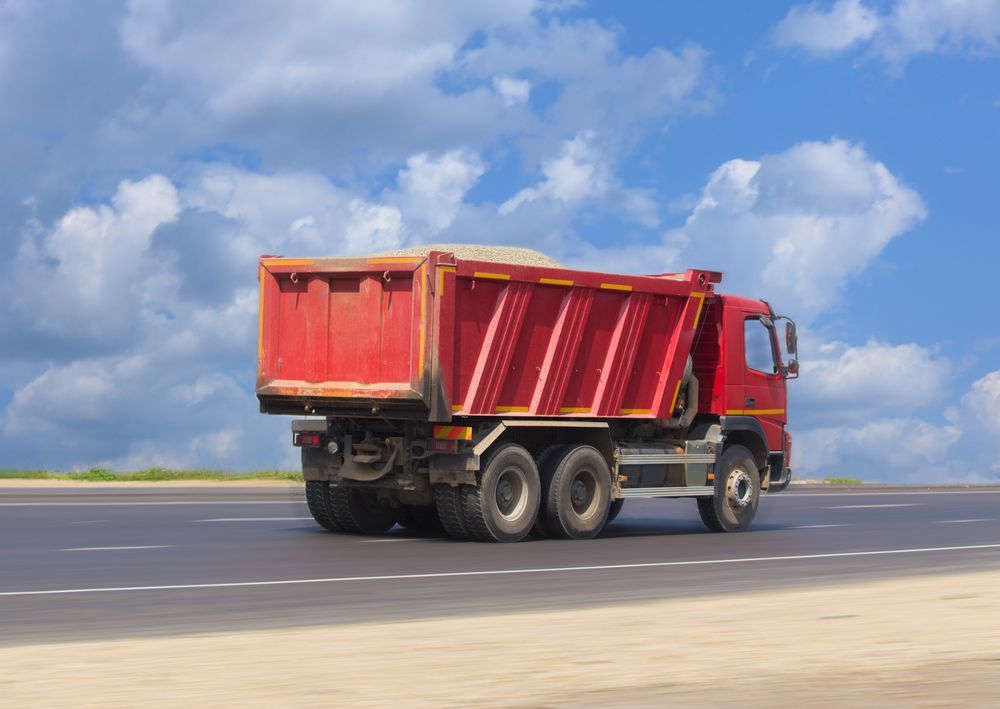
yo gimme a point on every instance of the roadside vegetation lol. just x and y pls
(843, 481)
(98, 475)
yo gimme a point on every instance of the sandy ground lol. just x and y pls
(20, 483)
(930, 641)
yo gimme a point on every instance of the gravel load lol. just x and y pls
(479, 252)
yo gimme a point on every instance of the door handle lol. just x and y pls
(750, 402)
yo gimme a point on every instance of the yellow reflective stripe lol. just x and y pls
(750, 412)
(496, 276)
(511, 409)
(423, 319)
(575, 410)
(396, 259)
(615, 286)
(555, 282)
(288, 262)
(260, 322)
(673, 403)
(457, 407)
(701, 303)
(626, 412)
(441, 271)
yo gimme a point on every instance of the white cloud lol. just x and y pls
(431, 189)
(795, 226)
(897, 449)
(581, 176)
(908, 28)
(843, 383)
(512, 91)
(821, 30)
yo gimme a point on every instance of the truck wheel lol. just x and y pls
(355, 510)
(504, 505)
(615, 509)
(448, 501)
(543, 461)
(737, 492)
(577, 493)
(422, 519)
(316, 499)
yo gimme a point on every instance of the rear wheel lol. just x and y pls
(449, 510)
(543, 461)
(504, 505)
(615, 509)
(420, 518)
(356, 510)
(737, 492)
(317, 494)
(577, 493)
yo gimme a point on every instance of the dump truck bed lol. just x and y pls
(435, 337)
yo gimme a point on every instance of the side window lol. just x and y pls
(759, 347)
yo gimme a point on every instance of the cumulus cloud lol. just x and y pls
(846, 384)
(431, 189)
(908, 28)
(827, 29)
(795, 226)
(512, 91)
(580, 175)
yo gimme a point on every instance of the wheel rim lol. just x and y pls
(583, 493)
(739, 489)
(511, 493)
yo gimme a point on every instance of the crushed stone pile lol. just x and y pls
(480, 252)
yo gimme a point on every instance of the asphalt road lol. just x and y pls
(87, 564)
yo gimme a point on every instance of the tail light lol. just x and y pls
(306, 439)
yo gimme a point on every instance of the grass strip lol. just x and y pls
(149, 475)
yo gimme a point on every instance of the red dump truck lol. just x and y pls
(493, 400)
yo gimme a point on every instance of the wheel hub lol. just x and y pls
(579, 493)
(505, 494)
(739, 488)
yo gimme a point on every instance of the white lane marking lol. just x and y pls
(255, 519)
(820, 526)
(148, 546)
(136, 504)
(390, 539)
(963, 521)
(89, 521)
(868, 507)
(500, 572)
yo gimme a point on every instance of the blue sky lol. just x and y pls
(837, 158)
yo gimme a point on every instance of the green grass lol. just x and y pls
(843, 481)
(149, 475)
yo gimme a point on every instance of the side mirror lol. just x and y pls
(791, 339)
(792, 369)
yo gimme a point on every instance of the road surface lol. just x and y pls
(93, 564)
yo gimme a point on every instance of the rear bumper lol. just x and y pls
(781, 482)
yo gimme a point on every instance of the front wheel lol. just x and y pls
(737, 492)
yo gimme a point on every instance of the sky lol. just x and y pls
(836, 158)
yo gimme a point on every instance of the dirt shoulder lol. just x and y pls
(928, 641)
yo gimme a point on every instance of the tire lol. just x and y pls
(737, 492)
(449, 510)
(503, 506)
(577, 493)
(422, 519)
(615, 509)
(356, 510)
(317, 501)
(543, 461)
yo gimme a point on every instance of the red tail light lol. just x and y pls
(305, 439)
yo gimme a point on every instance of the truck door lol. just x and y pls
(763, 385)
